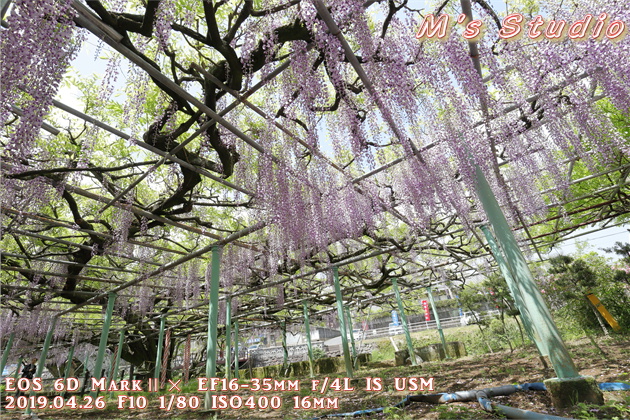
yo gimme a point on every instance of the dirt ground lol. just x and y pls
(468, 373)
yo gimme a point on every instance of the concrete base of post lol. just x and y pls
(568, 392)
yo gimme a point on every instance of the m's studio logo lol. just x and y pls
(516, 26)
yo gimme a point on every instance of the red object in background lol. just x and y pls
(493, 298)
(427, 314)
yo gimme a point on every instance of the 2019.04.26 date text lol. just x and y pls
(58, 402)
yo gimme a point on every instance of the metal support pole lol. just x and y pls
(42, 358)
(7, 350)
(228, 339)
(96, 373)
(351, 334)
(17, 369)
(342, 324)
(47, 340)
(85, 364)
(285, 350)
(236, 349)
(597, 304)
(514, 291)
(121, 339)
(160, 348)
(532, 299)
(4, 7)
(309, 345)
(66, 372)
(213, 311)
(437, 321)
(405, 324)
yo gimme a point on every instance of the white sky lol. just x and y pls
(595, 241)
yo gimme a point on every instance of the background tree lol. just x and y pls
(570, 279)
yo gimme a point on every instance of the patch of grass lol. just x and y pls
(611, 410)
(384, 351)
(584, 411)
(191, 386)
(395, 413)
(449, 411)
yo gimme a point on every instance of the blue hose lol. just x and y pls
(511, 412)
(462, 396)
(614, 386)
(403, 403)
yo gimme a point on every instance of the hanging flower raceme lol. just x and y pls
(163, 20)
(35, 50)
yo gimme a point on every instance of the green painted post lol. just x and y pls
(17, 369)
(228, 339)
(121, 340)
(533, 301)
(514, 291)
(85, 370)
(236, 349)
(342, 324)
(351, 334)
(285, 350)
(66, 372)
(160, 349)
(42, 358)
(405, 324)
(437, 321)
(4, 7)
(96, 373)
(213, 310)
(7, 350)
(309, 345)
